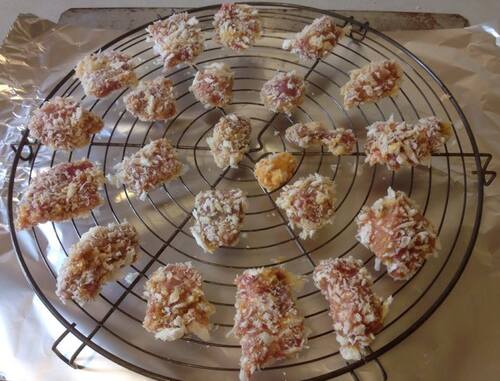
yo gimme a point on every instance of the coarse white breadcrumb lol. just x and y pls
(152, 100)
(237, 26)
(372, 82)
(154, 164)
(213, 85)
(308, 203)
(397, 232)
(230, 140)
(316, 39)
(267, 321)
(357, 312)
(96, 259)
(67, 190)
(102, 73)
(62, 124)
(177, 305)
(399, 143)
(218, 218)
(178, 39)
(283, 93)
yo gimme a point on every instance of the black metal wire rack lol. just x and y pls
(450, 192)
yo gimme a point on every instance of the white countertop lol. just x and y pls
(475, 11)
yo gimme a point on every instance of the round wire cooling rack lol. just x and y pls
(450, 192)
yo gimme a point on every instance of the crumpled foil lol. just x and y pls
(461, 340)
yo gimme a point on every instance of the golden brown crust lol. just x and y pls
(67, 190)
(176, 303)
(96, 259)
(275, 170)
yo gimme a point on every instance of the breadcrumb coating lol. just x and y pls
(397, 232)
(283, 93)
(218, 218)
(316, 39)
(213, 85)
(178, 39)
(154, 164)
(397, 144)
(275, 170)
(237, 26)
(230, 140)
(308, 203)
(357, 312)
(152, 100)
(62, 124)
(267, 321)
(96, 259)
(177, 305)
(339, 141)
(67, 190)
(372, 82)
(105, 72)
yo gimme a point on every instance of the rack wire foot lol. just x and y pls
(488, 175)
(23, 155)
(71, 361)
(361, 29)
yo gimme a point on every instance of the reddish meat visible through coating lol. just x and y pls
(230, 140)
(177, 39)
(154, 164)
(316, 39)
(213, 85)
(400, 143)
(283, 92)
(308, 203)
(177, 305)
(67, 190)
(397, 232)
(357, 312)
(237, 26)
(96, 259)
(339, 141)
(62, 124)
(267, 322)
(152, 100)
(104, 72)
(372, 83)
